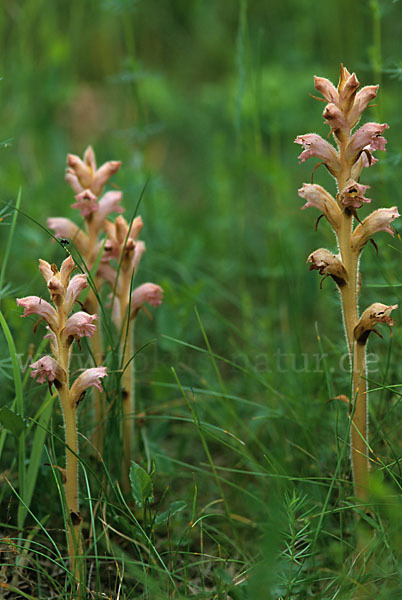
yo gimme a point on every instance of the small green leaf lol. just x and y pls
(141, 484)
(11, 421)
(173, 509)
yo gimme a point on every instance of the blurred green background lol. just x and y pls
(203, 100)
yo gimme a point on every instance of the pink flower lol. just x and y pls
(80, 324)
(335, 118)
(352, 195)
(327, 89)
(83, 174)
(33, 305)
(67, 267)
(362, 98)
(86, 203)
(318, 197)
(47, 368)
(147, 292)
(136, 227)
(107, 204)
(64, 228)
(379, 220)
(369, 135)
(75, 287)
(314, 145)
(89, 378)
(138, 252)
(46, 269)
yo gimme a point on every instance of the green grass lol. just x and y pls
(247, 460)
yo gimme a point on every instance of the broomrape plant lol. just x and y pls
(115, 261)
(62, 331)
(346, 162)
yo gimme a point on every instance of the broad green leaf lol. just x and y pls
(141, 484)
(11, 421)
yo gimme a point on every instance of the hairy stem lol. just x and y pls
(71, 480)
(349, 297)
(128, 403)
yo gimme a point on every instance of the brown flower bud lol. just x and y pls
(328, 264)
(374, 314)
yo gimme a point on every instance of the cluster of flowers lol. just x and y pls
(345, 162)
(62, 328)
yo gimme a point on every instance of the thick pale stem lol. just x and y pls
(359, 427)
(71, 480)
(99, 397)
(128, 404)
(349, 296)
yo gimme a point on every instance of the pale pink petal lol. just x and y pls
(138, 252)
(46, 368)
(75, 287)
(73, 181)
(335, 118)
(86, 203)
(149, 293)
(327, 89)
(368, 135)
(314, 145)
(80, 169)
(136, 227)
(64, 228)
(89, 159)
(379, 220)
(67, 267)
(103, 174)
(353, 196)
(33, 305)
(80, 324)
(363, 97)
(89, 378)
(46, 269)
(318, 197)
(107, 204)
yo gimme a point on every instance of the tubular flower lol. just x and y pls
(328, 264)
(87, 203)
(362, 98)
(33, 305)
(83, 174)
(335, 118)
(352, 195)
(46, 368)
(379, 220)
(369, 135)
(318, 197)
(64, 228)
(80, 324)
(107, 204)
(374, 314)
(89, 378)
(122, 241)
(327, 89)
(74, 289)
(147, 292)
(314, 145)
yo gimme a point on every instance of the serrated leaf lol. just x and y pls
(141, 484)
(11, 421)
(173, 509)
